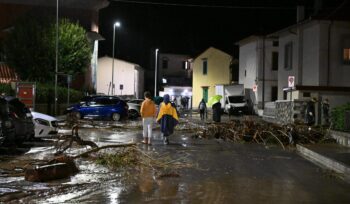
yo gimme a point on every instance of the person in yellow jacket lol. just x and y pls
(167, 117)
(148, 113)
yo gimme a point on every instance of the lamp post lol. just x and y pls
(155, 73)
(56, 61)
(116, 24)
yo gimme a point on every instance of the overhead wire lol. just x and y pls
(205, 5)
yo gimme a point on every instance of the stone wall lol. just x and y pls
(284, 112)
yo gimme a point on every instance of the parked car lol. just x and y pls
(45, 125)
(100, 107)
(134, 107)
(20, 118)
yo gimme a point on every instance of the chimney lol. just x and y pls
(300, 13)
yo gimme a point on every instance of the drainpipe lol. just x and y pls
(328, 53)
(263, 74)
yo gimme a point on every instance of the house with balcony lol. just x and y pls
(210, 68)
(258, 69)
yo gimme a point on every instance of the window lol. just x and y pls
(245, 73)
(275, 43)
(274, 61)
(288, 56)
(205, 67)
(165, 63)
(346, 55)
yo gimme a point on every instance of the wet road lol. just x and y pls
(221, 173)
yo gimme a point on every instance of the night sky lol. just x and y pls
(191, 29)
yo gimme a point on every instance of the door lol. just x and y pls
(274, 93)
(205, 94)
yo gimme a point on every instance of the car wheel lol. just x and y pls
(133, 114)
(115, 116)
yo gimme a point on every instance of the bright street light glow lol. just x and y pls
(117, 24)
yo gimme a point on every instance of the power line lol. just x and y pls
(206, 6)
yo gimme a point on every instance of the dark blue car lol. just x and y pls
(100, 107)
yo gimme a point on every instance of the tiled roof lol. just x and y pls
(7, 74)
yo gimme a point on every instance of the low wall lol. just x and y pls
(342, 138)
(284, 112)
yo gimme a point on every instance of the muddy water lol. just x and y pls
(220, 173)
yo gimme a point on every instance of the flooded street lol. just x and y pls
(217, 172)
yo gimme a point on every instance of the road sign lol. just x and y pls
(291, 81)
(255, 87)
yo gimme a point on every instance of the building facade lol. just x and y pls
(258, 69)
(210, 68)
(128, 78)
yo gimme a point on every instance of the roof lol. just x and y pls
(209, 49)
(108, 57)
(7, 74)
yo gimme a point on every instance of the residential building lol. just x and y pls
(128, 78)
(210, 68)
(316, 53)
(174, 70)
(258, 69)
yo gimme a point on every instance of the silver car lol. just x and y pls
(134, 108)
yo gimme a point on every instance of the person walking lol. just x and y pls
(148, 113)
(202, 108)
(167, 117)
(310, 112)
(217, 112)
(325, 111)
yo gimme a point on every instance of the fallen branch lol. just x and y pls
(103, 147)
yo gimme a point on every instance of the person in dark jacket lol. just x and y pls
(217, 112)
(310, 112)
(202, 109)
(167, 117)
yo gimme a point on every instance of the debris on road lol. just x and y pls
(263, 132)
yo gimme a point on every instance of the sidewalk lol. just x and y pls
(331, 156)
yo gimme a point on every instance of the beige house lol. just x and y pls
(210, 68)
(128, 78)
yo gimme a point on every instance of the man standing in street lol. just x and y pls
(148, 113)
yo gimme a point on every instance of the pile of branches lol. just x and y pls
(264, 132)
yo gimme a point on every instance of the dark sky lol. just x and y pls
(193, 28)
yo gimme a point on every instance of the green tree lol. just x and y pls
(31, 48)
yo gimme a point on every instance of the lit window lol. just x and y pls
(346, 55)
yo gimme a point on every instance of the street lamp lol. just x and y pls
(155, 73)
(116, 24)
(56, 61)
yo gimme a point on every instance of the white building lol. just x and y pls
(174, 70)
(258, 69)
(317, 54)
(128, 78)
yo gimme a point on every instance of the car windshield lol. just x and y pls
(236, 99)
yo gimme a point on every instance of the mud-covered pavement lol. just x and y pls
(220, 172)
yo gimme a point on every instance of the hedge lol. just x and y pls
(45, 93)
(338, 116)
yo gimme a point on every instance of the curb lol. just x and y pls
(324, 161)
